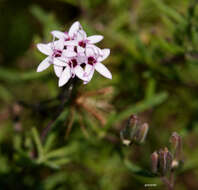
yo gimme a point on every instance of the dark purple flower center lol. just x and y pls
(67, 39)
(82, 44)
(75, 49)
(83, 65)
(57, 53)
(73, 63)
(91, 60)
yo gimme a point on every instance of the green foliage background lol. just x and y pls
(154, 62)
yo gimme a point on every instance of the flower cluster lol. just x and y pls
(73, 54)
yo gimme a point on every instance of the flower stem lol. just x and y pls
(64, 97)
(169, 182)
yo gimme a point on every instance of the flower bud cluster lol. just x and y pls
(163, 161)
(134, 131)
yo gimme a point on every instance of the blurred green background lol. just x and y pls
(154, 63)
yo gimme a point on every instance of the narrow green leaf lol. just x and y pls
(72, 2)
(15, 76)
(61, 119)
(142, 106)
(38, 143)
(150, 89)
(49, 142)
(61, 161)
(5, 95)
(168, 11)
(137, 170)
(64, 151)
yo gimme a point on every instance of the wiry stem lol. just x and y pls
(169, 182)
(64, 97)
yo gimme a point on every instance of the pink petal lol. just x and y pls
(69, 53)
(71, 43)
(89, 71)
(45, 48)
(105, 54)
(103, 70)
(81, 58)
(58, 34)
(95, 39)
(58, 70)
(79, 72)
(97, 50)
(59, 44)
(81, 35)
(74, 28)
(80, 49)
(89, 51)
(70, 48)
(65, 76)
(59, 63)
(43, 65)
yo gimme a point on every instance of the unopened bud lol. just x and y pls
(134, 132)
(128, 132)
(169, 160)
(154, 162)
(141, 133)
(133, 120)
(176, 142)
(165, 161)
(125, 135)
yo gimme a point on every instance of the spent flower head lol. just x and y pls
(73, 54)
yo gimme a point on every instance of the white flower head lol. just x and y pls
(73, 54)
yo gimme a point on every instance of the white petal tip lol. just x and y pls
(60, 85)
(108, 75)
(95, 39)
(38, 46)
(43, 65)
(38, 70)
